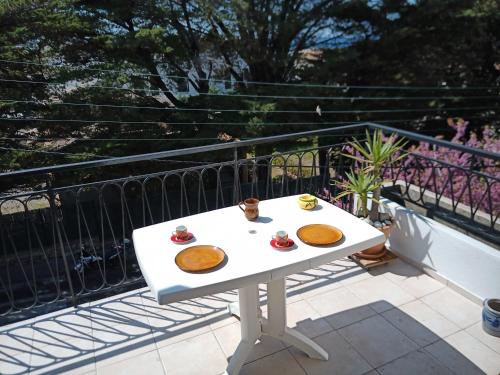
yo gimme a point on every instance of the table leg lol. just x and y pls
(275, 325)
(253, 325)
(250, 327)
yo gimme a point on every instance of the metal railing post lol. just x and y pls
(235, 176)
(57, 222)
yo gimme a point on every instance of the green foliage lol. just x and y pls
(362, 183)
(102, 42)
(377, 151)
(372, 155)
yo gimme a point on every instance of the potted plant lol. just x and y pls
(366, 181)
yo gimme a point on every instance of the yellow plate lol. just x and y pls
(199, 258)
(319, 234)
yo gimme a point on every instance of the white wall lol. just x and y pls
(463, 261)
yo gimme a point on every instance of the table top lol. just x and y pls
(250, 257)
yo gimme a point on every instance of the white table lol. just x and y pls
(250, 261)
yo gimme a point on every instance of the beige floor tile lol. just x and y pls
(116, 343)
(75, 356)
(80, 317)
(14, 365)
(69, 349)
(340, 307)
(148, 299)
(420, 323)
(471, 350)
(343, 358)
(281, 363)
(377, 340)
(348, 272)
(147, 363)
(419, 286)
(81, 309)
(119, 311)
(418, 362)
(301, 316)
(312, 282)
(62, 326)
(380, 293)
(230, 336)
(293, 289)
(177, 322)
(199, 355)
(477, 331)
(16, 340)
(326, 277)
(214, 308)
(42, 364)
(397, 271)
(120, 352)
(57, 332)
(453, 359)
(454, 307)
(104, 335)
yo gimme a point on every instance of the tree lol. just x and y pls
(139, 53)
(268, 35)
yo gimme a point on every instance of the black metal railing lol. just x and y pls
(62, 243)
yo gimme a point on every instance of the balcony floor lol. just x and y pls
(392, 320)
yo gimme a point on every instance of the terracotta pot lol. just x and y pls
(377, 251)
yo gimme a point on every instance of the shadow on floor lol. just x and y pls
(74, 338)
(391, 342)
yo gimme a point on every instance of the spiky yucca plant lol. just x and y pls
(374, 153)
(362, 184)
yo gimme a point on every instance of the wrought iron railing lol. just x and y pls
(63, 242)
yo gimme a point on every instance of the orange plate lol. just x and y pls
(199, 258)
(319, 234)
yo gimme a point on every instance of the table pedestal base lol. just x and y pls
(253, 325)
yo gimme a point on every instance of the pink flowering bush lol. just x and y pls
(460, 176)
(464, 178)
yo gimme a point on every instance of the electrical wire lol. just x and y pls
(90, 154)
(51, 139)
(284, 84)
(75, 139)
(215, 110)
(53, 152)
(258, 96)
(224, 123)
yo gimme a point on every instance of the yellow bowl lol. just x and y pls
(307, 201)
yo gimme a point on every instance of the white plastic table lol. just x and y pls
(250, 261)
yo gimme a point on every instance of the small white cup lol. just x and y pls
(181, 232)
(281, 238)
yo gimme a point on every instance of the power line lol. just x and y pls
(75, 139)
(89, 154)
(53, 152)
(50, 139)
(221, 123)
(351, 98)
(284, 84)
(215, 110)
(168, 123)
(258, 96)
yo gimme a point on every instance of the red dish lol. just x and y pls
(279, 247)
(189, 238)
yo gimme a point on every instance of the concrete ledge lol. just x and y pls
(425, 196)
(465, 264)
